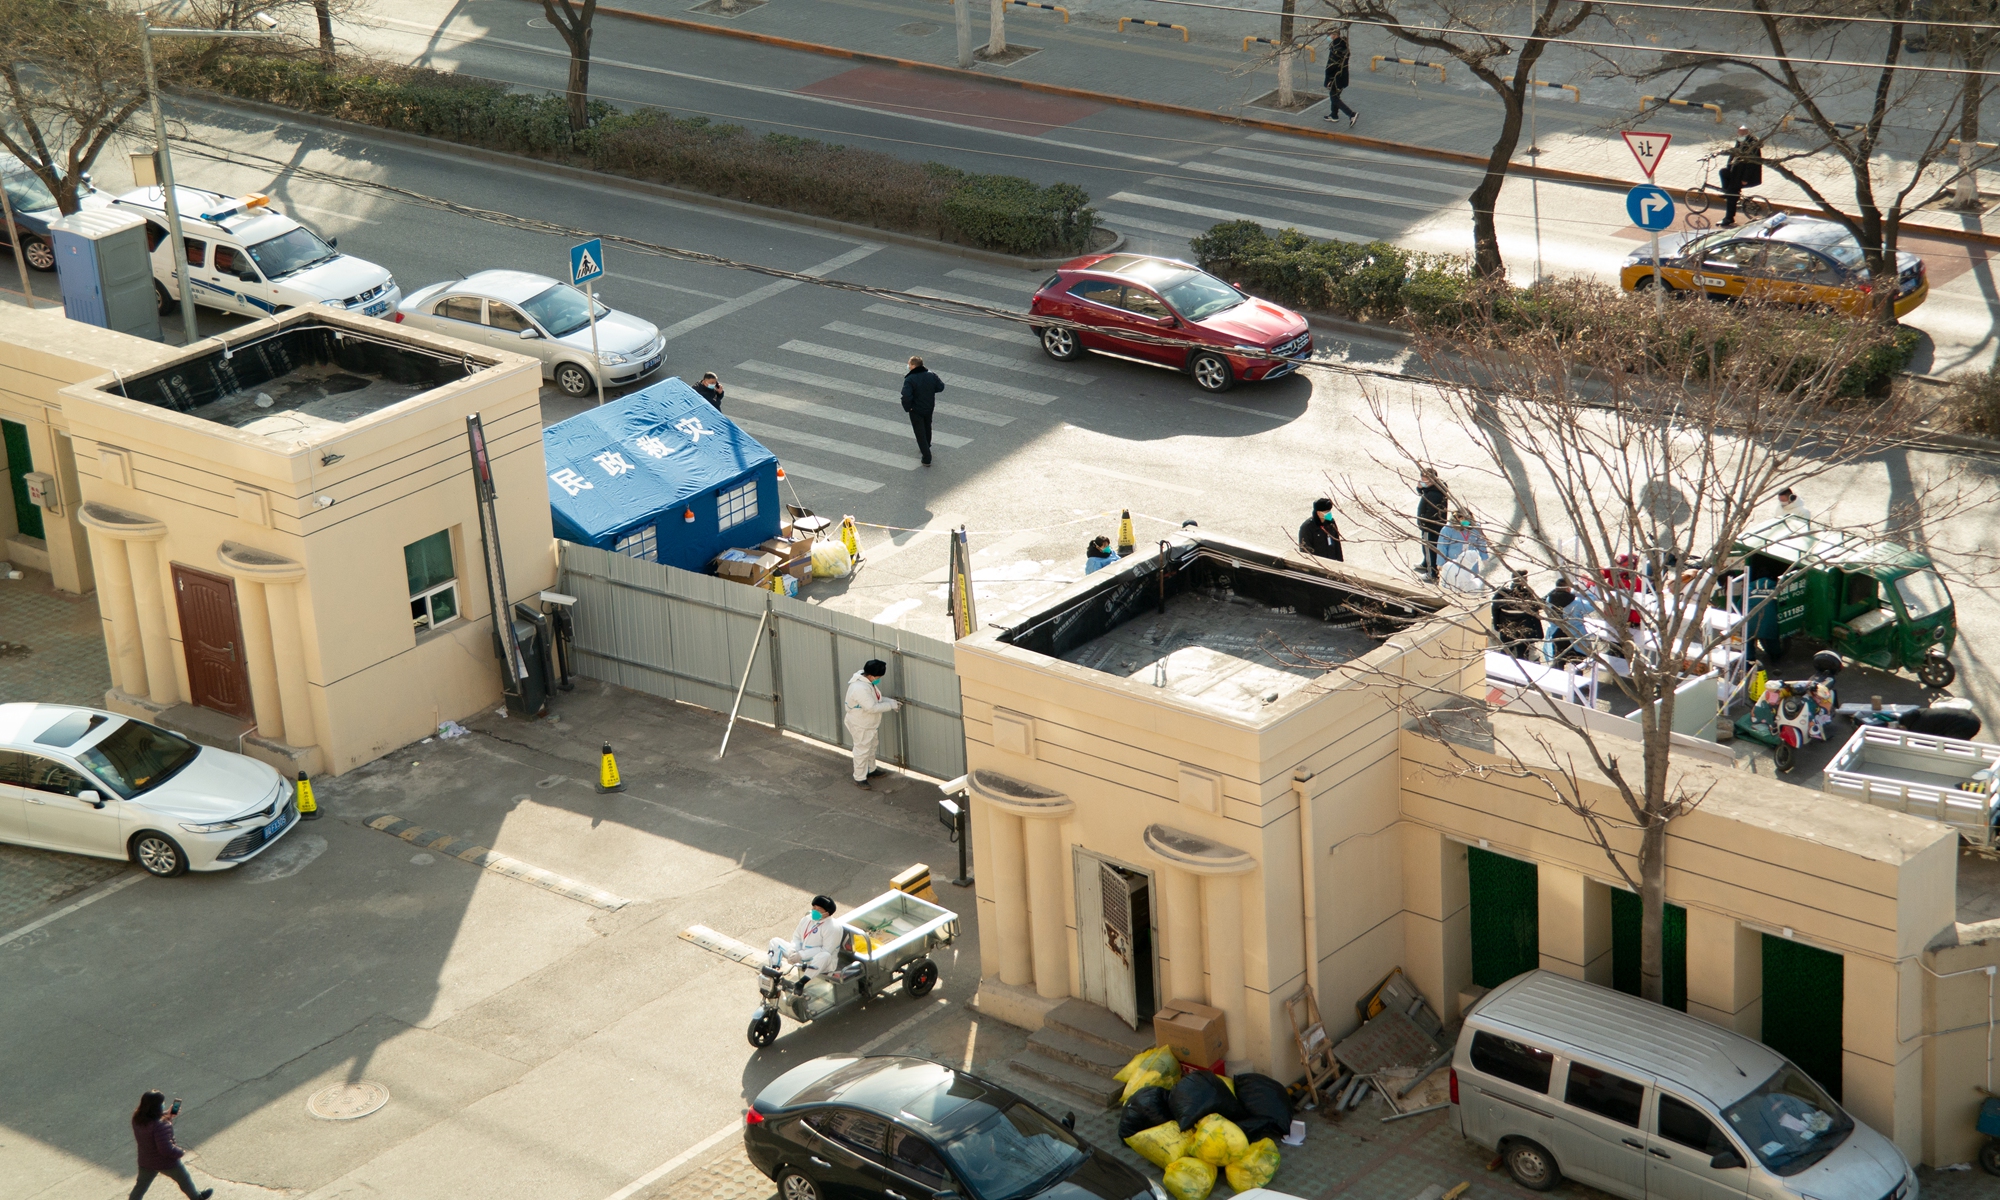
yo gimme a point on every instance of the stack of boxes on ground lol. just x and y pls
(782, 563)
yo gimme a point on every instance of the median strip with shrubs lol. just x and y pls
(1388, 284)
(992, 212)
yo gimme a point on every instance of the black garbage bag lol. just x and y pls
(1147, 1108)
(1942, 722)
(1199, 1094)
(1267, 1107)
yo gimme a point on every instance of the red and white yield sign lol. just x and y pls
(1648, 148)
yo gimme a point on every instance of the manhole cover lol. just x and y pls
(346, 1101)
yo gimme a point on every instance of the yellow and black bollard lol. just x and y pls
(607, 773)
(1126, 541)
(308, 810)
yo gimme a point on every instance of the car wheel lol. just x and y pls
(1645, 284)
(1531, 1166)
(168, 301)
(763, 1028)
(40, 255)
(1936, 671)
(574, 380)
(794, 1186)
(1061, 344)
(920, 978)
(1211, 372)
(158, 854)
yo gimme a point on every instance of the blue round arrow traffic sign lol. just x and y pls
(1650, 207)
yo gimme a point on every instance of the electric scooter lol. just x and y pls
(1802, 709)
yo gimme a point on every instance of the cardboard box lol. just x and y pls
(800, 569)
(1194, 1032)
(746, 566)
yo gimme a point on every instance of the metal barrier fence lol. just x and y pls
(673, 633)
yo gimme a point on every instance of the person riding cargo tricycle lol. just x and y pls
(1872, 601)
(830, 964)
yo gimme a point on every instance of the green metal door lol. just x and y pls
(27, 518)
(1506, 917)
(1802, 1003)
(1627, 913)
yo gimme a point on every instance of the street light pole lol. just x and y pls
(147, 32)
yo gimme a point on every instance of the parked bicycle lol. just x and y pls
(1701, 198)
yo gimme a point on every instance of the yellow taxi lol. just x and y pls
(1786, 258)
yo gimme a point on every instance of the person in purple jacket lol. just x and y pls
(153, 1129)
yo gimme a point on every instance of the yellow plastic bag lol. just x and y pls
(1189, 1179)
(1160, 1145)
(1255, 1169)
(830, 560)
(1143, 1079)
(1218, 1141)
(1159, 1059)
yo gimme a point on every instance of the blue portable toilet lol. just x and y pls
(627, 476)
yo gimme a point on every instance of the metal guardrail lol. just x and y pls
(1054, 8)
(1310, 56)
(1124, 21)
(1375, 64)
(1714, 108)
(1575, 92)
(1785, 125)
(1981, 145)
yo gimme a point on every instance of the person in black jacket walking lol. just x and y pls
(1431, 506)
(920, 389)
(153, 1129)
(1319, 536)
(1338, 52)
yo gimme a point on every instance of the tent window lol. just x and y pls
(735, 506)
(641, 544)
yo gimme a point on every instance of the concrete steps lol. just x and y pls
(1077, 1051)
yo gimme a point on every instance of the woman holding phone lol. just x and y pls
(153, 1129)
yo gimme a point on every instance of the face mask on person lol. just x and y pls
(817, 915)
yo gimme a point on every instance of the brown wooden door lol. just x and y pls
(212, 639)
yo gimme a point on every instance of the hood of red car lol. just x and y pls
(1255, 322)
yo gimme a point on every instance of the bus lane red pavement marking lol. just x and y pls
(926, 95)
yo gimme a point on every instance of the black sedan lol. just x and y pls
(845, 1127)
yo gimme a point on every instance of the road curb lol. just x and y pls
(1408, 149)
(464, 850)
(418, 141)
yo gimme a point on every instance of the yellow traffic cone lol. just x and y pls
(607, 773)
(1126, 542)
(308, 810)
(848, 538)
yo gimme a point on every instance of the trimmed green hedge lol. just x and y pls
(994, 212)
(1386, 283)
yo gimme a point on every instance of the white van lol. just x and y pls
(245, 256)
(1566, 1078)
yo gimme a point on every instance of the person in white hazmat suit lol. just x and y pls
(815, 943)
(864, 707)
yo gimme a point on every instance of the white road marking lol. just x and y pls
(814, 379)
(807, 408)
(1421, 208)
(1225, 214)
(852, 483)
(1108, 473)
(1328, 168)
(947, 350)
(1122, 221)
(660, 1172)
(904, 1026)
(999, 333)
(899, 367)
(671, 287)
(690, 324)
(999, 281)
(778, 433)
(343, 214)
(88, 898)
(954, 297)
(1378, 156)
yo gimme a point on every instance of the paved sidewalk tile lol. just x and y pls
(34, 879)
(51, 644)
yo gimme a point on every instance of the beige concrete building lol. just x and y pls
(1205, 789)
(281, 523)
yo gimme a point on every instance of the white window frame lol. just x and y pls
(430, 619)
(642, 544)
(735, 506)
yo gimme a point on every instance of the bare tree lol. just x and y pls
(323, 17)
(73, 77)
(1493, 59)
(1633, 457)
(574, 19)
(1968, 30)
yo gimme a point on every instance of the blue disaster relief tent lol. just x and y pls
(627, 476)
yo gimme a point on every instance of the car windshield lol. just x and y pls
(561, 311)
(1198, 294)
(28, 194)
(1706, 242)
(1017, 1152)
(138, 757)
(289, 252)
(1923, 594)
(1789, 1123)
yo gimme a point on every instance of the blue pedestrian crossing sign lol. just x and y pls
(1650, 207)
(586, 262)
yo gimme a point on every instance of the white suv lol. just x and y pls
(246, 257)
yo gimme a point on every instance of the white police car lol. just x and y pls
(246, 257)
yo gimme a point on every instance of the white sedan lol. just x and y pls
(540, 317)
(91, 782)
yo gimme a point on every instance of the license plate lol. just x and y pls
(652, 364)
(277, 826)
(376, 309)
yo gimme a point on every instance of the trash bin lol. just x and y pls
(531, 631)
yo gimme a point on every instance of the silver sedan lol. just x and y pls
(542, 317)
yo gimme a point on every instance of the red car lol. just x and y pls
(1210, 322)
